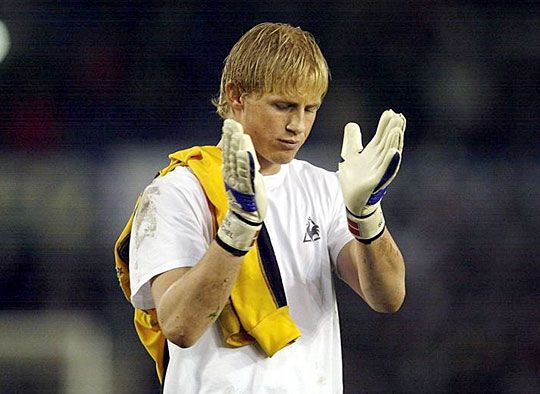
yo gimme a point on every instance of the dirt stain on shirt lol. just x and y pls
(146, 215)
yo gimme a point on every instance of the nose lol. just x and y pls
(297, 122)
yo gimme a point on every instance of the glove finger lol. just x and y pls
(253, 179)
(233, 132)
(391, 141)
(244, 172)
(384, 134)
(382, 126)
(251, 171)
(226, 139)
(352, 140)
(391, 163)
(402, 134)
(242, 166)
(395, 121)
(226, 148)
(381, 147)
(246, 144)
(398, 122)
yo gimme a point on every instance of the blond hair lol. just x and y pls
(274, 58)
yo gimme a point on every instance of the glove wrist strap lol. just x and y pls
(236, 234)
(369, 226)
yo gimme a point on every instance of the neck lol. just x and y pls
(270, 168)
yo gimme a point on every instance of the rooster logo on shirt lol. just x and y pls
(312, 231)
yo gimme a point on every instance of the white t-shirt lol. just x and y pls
(307, 226)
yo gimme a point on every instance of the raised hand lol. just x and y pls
(365, 173)
(246, 193)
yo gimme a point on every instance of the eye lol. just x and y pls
(312, 109)
(282, 106)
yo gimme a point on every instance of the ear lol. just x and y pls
(235, 98)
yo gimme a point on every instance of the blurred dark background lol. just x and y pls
(95, 94)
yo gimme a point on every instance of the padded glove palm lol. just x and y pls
(246, 193)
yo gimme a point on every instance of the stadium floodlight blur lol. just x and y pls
(5, 41)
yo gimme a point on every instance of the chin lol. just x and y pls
(285, 160)
(278, 159)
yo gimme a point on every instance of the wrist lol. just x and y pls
(369, 225)
(237, 234)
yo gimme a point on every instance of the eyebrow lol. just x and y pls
(292, 102)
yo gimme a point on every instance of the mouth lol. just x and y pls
(289, 144)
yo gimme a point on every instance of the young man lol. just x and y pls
(255, 243)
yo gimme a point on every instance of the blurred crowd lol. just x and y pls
(85, 73)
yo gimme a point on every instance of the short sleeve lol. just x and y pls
(339, 234)
(172, 228)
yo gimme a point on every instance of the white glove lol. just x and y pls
(246, 193)
(365, 174)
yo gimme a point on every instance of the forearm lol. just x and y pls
(381, 273)
(193, 301)
(189, 300)
(372, 264)
(376, 272)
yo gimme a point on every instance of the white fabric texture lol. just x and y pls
(307, 225)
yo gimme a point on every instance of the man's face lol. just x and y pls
(277, 125)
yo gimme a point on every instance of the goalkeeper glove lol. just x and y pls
(365, 173)
(245, 189)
